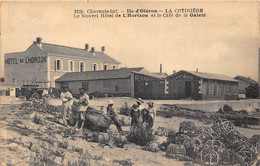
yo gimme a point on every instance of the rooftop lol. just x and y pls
(246, 79)
(147, 73)
(98, 75)
(70, 51)
(209, 76)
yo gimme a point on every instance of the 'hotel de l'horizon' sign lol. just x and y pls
(14, 61)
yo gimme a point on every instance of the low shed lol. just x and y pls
(108, 82)
(148, 85)
(201, 86)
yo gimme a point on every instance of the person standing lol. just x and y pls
(136, 115)
(82, 108)
(148, 117)
(112, 114)
(67, 102)
(45, 96)
(151, 110)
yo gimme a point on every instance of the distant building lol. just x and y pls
(148, 85)
(8, 89)
(107, 82)
(44, 63)
(248, 86)
(138, 82)
(201, 86)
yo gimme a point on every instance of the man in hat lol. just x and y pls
(112, 114)
(136, 115)
(67, 102)
(82, 108)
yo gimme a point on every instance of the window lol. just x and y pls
(94, 67)
(85, 86)
(105, 67)
(57, 65)
(114, 67)
(81, 66)
(71, 66)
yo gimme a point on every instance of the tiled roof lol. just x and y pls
(98, 75)
(70, 51)
(209, 76)
(155, 75)
(246, 79)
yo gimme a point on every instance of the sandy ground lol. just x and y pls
(18, 132)
(208, 106)
(21, 138)
(9, 100)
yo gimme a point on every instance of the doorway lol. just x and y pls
(187, 89)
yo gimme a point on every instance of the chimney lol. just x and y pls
(86, 46)
(197, 70)
(160, 68)
(93, 50)
(174, 71)
(39, 42)
(103, 48)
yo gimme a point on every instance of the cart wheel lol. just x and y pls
(22, 97)
(55, 94)
(35, 97)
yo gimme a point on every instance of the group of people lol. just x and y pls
(141, 117)
(82, 106)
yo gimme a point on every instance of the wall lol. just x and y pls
(148, 87)
(26, 67)
(210, 89)
(109, 86)
(242, 87)
(178, 89)
(88, 63)
(215, 89)
(65, 66)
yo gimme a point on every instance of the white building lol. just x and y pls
(44, 63)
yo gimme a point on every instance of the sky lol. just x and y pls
(226, 41)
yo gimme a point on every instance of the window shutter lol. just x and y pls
(55, 65)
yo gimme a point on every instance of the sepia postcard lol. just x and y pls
(129, 83)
